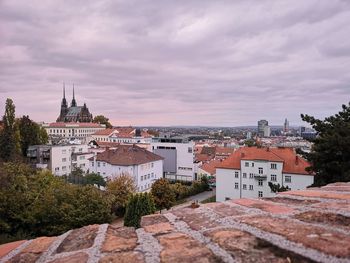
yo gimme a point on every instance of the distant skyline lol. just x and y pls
(171, 63)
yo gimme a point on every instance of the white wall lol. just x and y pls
(299, 181)
(225, 182)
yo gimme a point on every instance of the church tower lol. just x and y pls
(64, 106)
(74, 103)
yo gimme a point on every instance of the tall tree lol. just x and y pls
(9, 143)
(138, 205)
(164, 196)
(102, 120)
(30, 133)
(330, 155)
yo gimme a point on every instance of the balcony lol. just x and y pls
(260, 176)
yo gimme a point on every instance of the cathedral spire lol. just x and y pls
(74, 103)
(64, 91)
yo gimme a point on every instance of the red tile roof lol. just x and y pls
(210, 167)
(291, 162)
(125, 155)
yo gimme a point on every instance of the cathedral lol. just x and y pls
(73, 113)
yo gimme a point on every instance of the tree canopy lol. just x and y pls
(102, 120)
(330, 155)
(164, 196)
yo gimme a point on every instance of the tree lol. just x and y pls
(95, 179)
(102, 120)
(120, 189)
(138, 205)
(330, 154)
(9, 144)
(76, 176)
(276, 188)
(164, 196)
(30, 134)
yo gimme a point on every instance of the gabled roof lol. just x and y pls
(292, 163)
(121, 132)
(125, 155)
(210, 167)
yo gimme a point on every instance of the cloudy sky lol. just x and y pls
(217, 63)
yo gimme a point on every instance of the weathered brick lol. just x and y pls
(226, 210)
(195, 219)
(265, 206)
(39, 245)
(180, 248)
(119, 239)
(79, 239)
(339, 206)
(245, 247)
(291, 201)
(123, 257)
(75, 258)
(325, 218)
(325, 240)
(24, 258)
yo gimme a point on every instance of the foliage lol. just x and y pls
(250, 142)
(121, 188)
(138, 205)
(36, 203)
(30, 134)
(275, 188)
(9, 141)
(95, 179)
(102, 120)
(211, 199)
(330, 154)
(164, 196)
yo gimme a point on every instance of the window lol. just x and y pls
(273, 178)
(82, 158)
(103, 164)
(64, 168)
(273, 166)
(251, 175)
(190, 149)
(92, 164)
(288, 179)
(260, 194)
(252, 164)
(64, 160)
(236, 185)
(244, 187)
(261, 170)
(148, 176)
(260, 182)
(64, 151)
(98, 164)
(251, 187)
(152, 164)
(246, 164)
(236, 174)
(244, 175)
(141, 177)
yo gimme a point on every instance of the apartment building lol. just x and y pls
(248, 171)
(144, 166)
(123, 135)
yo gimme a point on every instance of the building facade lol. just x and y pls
(123, 135)
(143, 166)
(74, 113)
(261, 127)
(248, 172)
(178, 157)
(59, 159)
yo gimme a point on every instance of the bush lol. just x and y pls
(138, 205)
(163, 194)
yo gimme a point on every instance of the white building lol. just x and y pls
(123, 135)
(178, 157)
(60, 159)
(247, 172)
(79, 130)
(144, 166)
(267, 131)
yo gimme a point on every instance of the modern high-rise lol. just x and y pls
(261, 127)
(286, 126)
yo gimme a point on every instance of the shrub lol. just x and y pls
(138, 205)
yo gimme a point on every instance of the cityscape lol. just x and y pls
(174, 132)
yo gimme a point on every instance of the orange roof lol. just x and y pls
(201, 157)
(104, 132)
(223, 150)
(292, 163)
(210, 167)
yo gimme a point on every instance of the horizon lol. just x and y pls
(194, 63)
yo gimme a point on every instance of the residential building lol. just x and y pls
(178, 154)
(144, 166)
(247, 172)
(267, 131)
(123, 135)
(261, 125)
(70, 130)
(59, 159)
(209, 168)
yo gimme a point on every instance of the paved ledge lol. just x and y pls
(299, 226)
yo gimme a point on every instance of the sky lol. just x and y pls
(160, 62)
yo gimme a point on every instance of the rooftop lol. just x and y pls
(125, 155)
(122, 132)
(297, 226)
(74, 125)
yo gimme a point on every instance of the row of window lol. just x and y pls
(244, 186)
(147, 176)
(185, 168)
(71, 130)
(287, 178)
(273, 165)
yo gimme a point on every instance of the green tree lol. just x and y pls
(95, 179)
(164, 196)
(30, 134)
(102, 120)
(76, 176)
(121, 188)
(9, 144)
(138, 205)
(330, 154)
(276, 188)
